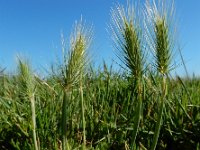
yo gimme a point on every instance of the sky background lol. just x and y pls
(32, 28)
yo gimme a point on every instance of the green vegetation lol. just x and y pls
(81, 107)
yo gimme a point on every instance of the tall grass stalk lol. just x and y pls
(73, 71)
(64, 121)
(127, 40)
(27, 85)
(162, 57)
(161, 42)
(32, 99)
(83, 113)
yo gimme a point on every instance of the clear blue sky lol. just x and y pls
(32, 28)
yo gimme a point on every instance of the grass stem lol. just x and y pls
(160, 113)
(34, 121)
(64, 121)
(83, 115)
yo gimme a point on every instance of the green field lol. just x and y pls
(77, 106)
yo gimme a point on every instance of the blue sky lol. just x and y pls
(32, 29)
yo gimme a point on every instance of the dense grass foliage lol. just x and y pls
(109, 113)
(80, 107)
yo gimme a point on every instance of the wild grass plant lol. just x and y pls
(78, 106)
(127, 40)
(72, 73)
(27, 89)
(161, 43)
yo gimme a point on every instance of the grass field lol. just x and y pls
(77, 106)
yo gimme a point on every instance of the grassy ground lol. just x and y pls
(109, 104)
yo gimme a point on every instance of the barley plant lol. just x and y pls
(72, 73)
(127, 40)
(27, 89)
(139, 105)
(161, 42)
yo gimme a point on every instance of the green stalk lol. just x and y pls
(127, 39)
(163, 58)
(27, 87)
(137, 118)
(83, 115)
(34, 121)
(64, 121)
(72, 72)
(162, 46)
(160, 113)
